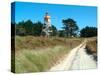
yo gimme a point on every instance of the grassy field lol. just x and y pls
(30, 42)
(38, 54)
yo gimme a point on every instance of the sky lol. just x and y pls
(83, 15)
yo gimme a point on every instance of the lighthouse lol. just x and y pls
(47, 25)
(47, 19)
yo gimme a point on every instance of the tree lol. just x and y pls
(28, 26)
(54, 30)
(70, 27)
(20, 30)
(24, 28)
(88, 32)
(37, 29)
(61, 33)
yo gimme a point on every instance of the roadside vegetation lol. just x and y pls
(91, 47)
(31, 42)
(37, 54)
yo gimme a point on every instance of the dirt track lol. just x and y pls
(77, 59)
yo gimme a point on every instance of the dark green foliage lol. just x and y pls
(24, 28)
(61, 33)
(88, 32)
(37, 28)
(70, 27)
(29, 28)
(54, 30)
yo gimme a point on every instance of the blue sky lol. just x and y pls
(83, 15)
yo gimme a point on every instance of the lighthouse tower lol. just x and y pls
(47, 25)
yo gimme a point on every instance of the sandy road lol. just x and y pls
(77, 59)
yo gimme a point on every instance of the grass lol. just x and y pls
(92, 45)
(38, 61)
(38, 54)
(30, 42)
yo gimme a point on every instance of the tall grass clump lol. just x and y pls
(38, 61)
(91, 48)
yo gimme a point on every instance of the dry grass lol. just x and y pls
(38, 61)
(37, 54)
(92, 45)
(30, 42)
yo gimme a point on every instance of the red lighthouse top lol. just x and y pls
(47, 17)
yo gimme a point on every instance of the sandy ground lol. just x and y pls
(77, 59)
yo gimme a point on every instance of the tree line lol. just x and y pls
(24, 28)
(69, 29)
